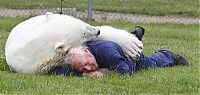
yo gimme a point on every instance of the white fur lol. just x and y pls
(38, 39)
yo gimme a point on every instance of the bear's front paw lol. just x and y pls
(132, 51)
(133, 47)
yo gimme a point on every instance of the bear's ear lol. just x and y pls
(59, 47)
(49, 16)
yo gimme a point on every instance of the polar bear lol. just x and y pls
(39, 41)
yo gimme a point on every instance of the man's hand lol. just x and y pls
(93, 74)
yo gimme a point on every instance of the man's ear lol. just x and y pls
(86, 50)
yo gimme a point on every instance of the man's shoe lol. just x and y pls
(138, 32)
(178, 59)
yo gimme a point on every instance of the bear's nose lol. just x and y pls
(98, 32)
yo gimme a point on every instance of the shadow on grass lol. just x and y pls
(3, 65)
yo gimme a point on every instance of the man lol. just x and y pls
(86, 60)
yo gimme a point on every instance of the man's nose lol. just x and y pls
(88, 68)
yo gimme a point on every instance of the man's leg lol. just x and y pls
(162, 58)
(178, 59)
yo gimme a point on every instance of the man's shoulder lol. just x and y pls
(103, 43)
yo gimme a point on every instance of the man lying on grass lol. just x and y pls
(86, 60)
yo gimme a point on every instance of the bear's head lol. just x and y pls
(38, 40)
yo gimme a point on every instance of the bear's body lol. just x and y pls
(38, 40)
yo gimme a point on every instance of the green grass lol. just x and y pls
(183, 39)
(148, 7)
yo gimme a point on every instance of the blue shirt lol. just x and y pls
(110, 55)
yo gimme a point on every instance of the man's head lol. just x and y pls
(81, 59)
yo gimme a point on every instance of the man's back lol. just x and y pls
(110, 55)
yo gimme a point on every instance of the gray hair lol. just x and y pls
(77, 50)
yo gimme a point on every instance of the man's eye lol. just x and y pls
(84, 70)
(85, 63)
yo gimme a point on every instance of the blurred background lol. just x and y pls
(147, 11)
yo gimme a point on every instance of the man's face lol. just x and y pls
(84, 63)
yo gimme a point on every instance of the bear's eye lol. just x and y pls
(60, 47)
(84, 33)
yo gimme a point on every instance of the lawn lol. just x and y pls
(183, 39)
(147, 7)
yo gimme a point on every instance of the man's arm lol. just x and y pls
(93, 74)
(61, 70)
(121, 67)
